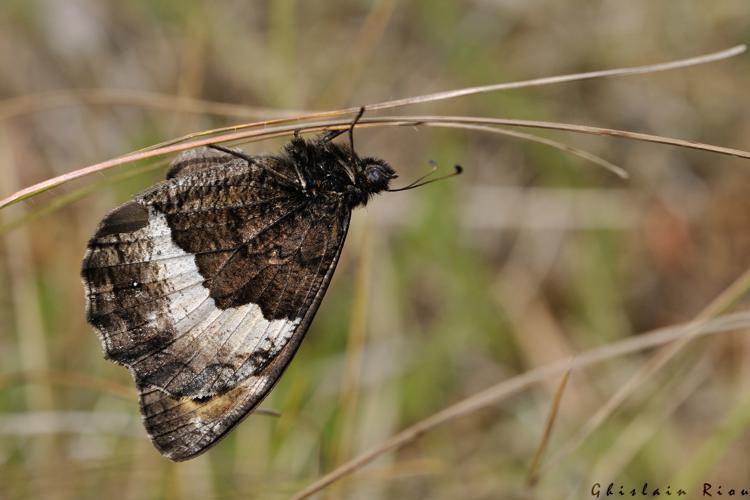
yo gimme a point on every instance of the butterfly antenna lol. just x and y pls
(457, 170)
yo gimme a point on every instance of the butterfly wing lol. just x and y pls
(205, 285)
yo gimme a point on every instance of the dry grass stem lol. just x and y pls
(63, 200)
(551, 80)
(722, 303)
(268, 130)
(411, 120)
(533, 476)
(671, 394)
(507, 388)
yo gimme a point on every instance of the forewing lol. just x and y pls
(204, 286)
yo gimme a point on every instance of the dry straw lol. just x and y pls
(326, 120)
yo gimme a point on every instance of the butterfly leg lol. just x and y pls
(330, 135)
(238, 154)
(251, 161)
(193, 160)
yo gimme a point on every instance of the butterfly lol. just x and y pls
(205, 284)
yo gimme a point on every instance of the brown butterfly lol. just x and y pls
(205, 284)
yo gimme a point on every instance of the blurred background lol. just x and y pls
(530, 257)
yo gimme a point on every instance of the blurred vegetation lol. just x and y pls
(528, 258)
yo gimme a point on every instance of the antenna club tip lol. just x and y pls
(459, 169)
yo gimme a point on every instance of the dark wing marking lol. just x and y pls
(127, 218)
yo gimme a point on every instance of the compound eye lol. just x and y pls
(374, 175)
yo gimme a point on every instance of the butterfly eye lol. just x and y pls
(378, 174)
(374, 174)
